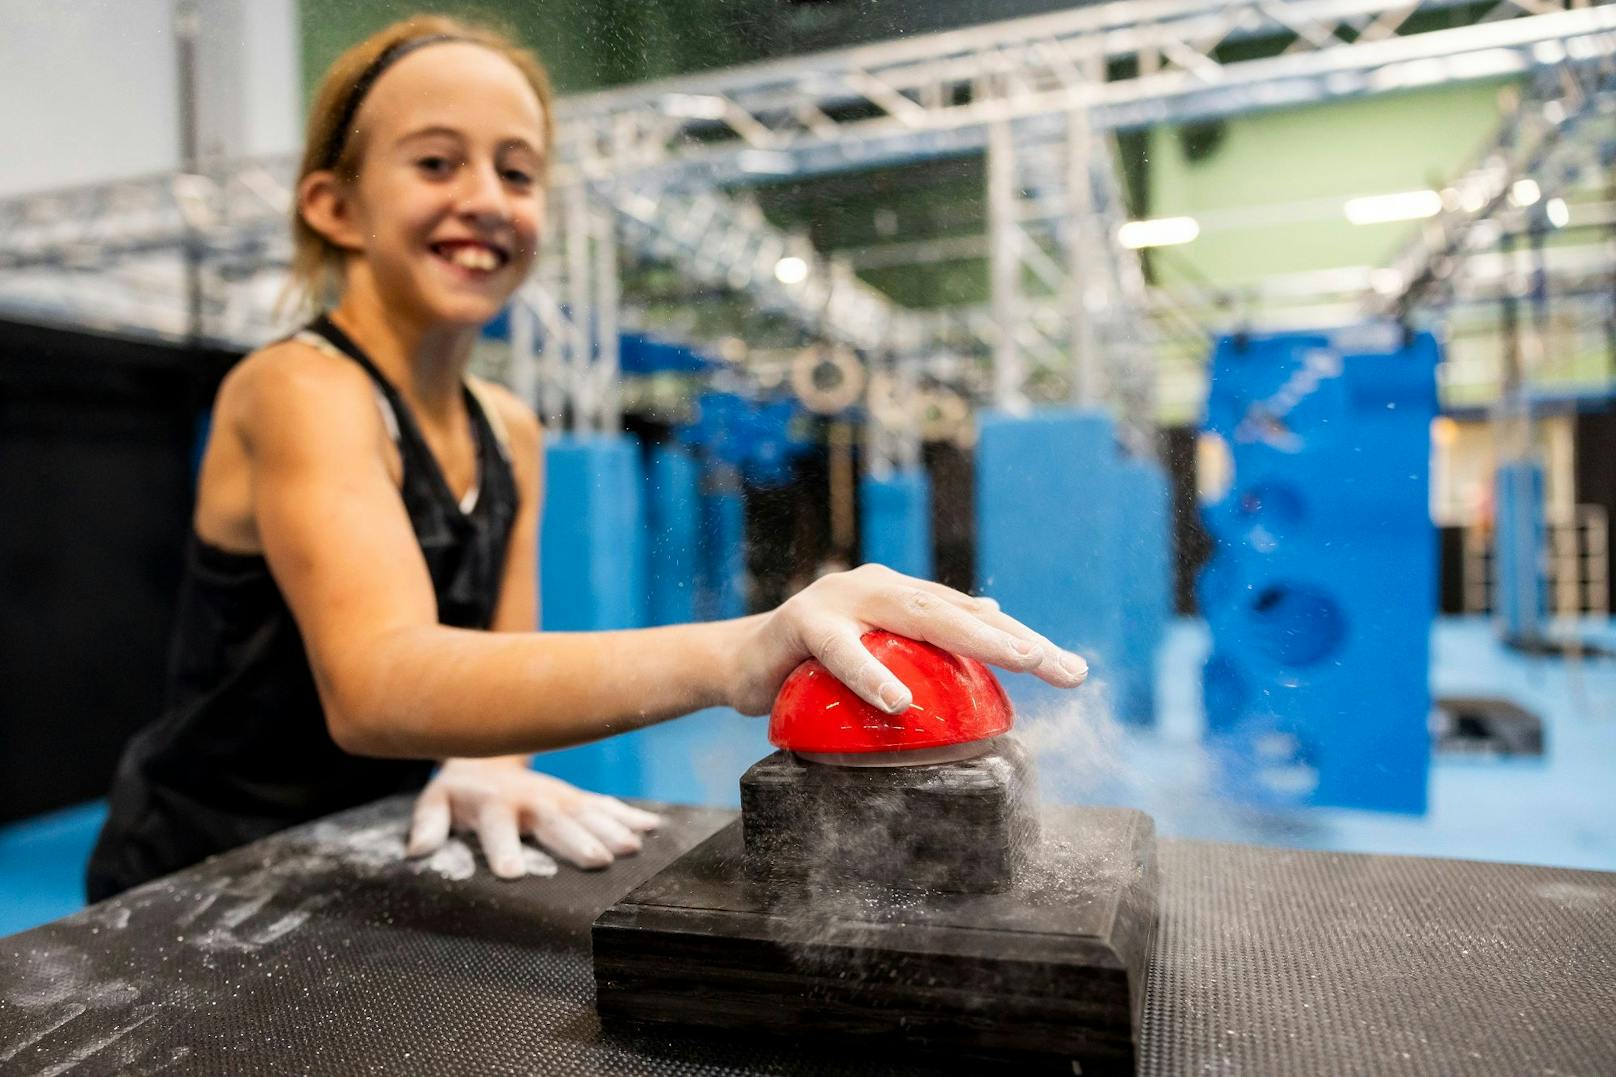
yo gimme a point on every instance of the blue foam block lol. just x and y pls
(1520, 550)
(895, 521)
(1047, 509)
(1322, 587)
(593, 574)
(673, 522)
(592, 546)
(723, 592)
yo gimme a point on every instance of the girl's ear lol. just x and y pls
(326, 204)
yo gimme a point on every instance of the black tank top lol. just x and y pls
(242, 749)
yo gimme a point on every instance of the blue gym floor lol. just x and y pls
(1558, 810)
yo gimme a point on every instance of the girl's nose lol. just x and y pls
(482, 195)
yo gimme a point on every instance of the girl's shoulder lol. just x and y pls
(291, 382)
(519, 425)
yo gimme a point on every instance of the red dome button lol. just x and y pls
(956, 701)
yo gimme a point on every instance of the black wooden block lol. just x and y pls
(965, 826)
(1048, 973)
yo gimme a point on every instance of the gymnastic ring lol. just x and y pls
(844, 389)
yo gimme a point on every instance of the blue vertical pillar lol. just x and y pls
(673, 525)
(1520, 549)
(1046, 506)
(592, 575)
(723, 592)
(895, 521)
(1142, 551)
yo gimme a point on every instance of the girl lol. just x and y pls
(360, 597)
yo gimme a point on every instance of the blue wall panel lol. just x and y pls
(1322, 587)
(592, 574)
(673, 523)
(895, 522)
(1065, 532)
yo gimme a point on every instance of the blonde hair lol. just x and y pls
(330, 141)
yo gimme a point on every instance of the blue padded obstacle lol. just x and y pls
(1322, 588)
(1520, 551)
(673, 525)
(721, 577)
(895, 521)
(592, 574)
(1071, 539)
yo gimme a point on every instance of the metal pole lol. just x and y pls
(1004, 265)
(579, 347)
(1078, 230)
(607, 398)
(187, 29)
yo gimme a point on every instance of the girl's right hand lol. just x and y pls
(826, 619)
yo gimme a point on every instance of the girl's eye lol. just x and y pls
(517, 176)
(435, 166)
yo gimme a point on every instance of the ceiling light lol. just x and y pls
(791, 270)
(1524, 192)
(1558, 213)
(1401, 206)
(1158, 232)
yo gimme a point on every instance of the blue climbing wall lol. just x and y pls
(1072, 540)
(1322, 587)
(895, 521)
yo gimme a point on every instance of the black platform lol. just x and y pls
(311, 953)
(1049, 974)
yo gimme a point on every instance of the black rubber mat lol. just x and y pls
(319, 952)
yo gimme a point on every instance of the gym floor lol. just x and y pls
(1552, 810)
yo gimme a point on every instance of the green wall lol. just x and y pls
(1327, 152)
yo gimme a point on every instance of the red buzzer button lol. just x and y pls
(956, 700)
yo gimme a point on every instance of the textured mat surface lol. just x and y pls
(319, 952)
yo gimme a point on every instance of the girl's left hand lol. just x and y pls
(825, 620)
(502, 799)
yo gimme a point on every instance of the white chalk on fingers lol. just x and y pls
(618, 838)
(1073, 665)
(894, 697)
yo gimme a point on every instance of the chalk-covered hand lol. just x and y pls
(500, 800)
(825, 620)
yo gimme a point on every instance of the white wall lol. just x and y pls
(89, 88)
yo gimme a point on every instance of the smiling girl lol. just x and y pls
(360, 604)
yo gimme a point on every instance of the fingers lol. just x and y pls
(429, 823)
(501, 839)
(841, 651)
(974, 603)
(631, 817)
(618, 839)
(920, 614)
(566, 837)
(1056, 665)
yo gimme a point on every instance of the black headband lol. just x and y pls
(389, 56)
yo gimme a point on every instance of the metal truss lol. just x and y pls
(1558, 133)
(646, 167)
(1128, 64)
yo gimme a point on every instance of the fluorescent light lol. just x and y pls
(1158, 232)
(1524, 192)
(1401, 206)
(791, 270)
(766, 162)
(1558, 213)
(694, 106)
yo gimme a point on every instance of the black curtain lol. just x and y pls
(97, 437)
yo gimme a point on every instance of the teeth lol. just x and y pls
(474, 257)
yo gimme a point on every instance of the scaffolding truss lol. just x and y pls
(660, 170)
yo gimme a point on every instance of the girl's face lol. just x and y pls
(449, 200)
